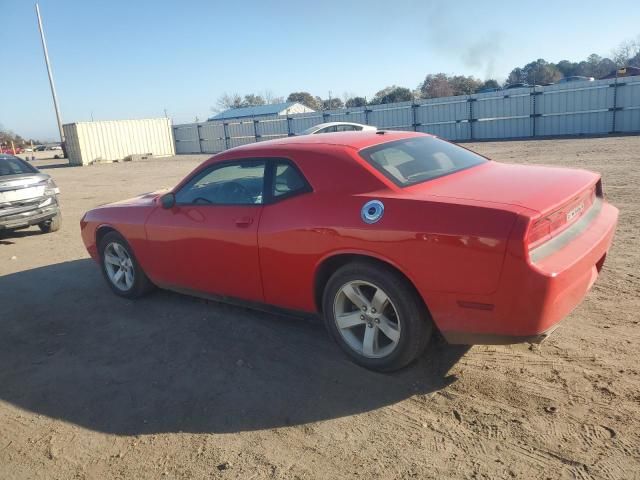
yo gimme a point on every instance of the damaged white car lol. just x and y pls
(27, 197)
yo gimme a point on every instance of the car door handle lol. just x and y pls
(244, 221)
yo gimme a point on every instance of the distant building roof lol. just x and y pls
(257, 111)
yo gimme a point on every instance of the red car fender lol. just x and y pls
(367, 254)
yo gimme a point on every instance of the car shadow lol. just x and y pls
(72, 350)
(7, 236)
(51, 165)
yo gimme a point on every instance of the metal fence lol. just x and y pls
(574, 108)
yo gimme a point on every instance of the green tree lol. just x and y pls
(305, 98)
(392, 94)
(541, 72)
(603, 68)
(517, 75)
(489, 84)
(567, 68)
(356, 102)
(464, 85)
(436, 86)
(442, 85)
(332, 104)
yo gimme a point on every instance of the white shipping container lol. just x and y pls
(111, 140)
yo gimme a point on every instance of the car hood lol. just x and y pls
(142, 200)
(26, 180)
(19, 188)
(532, 187)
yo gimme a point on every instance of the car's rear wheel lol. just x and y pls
(376, 316)
(120, 267)
(51, 225)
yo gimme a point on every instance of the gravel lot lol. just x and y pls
(94, 386)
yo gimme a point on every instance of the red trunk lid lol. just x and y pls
(537, 188)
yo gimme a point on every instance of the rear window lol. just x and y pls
(14, 166)
(414, 160)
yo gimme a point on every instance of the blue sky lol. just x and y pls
(133, 59)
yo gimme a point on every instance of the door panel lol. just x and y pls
(208, 248)
(208, 241)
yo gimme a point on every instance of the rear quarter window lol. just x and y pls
(414, 160)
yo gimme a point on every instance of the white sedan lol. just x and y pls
(338, 127)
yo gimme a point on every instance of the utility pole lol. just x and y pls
(53, 87)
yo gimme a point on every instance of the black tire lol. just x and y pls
(415, 322)
(51, 225)
(141, 284)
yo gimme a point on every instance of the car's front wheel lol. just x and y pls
(375, 316)
(120, 267)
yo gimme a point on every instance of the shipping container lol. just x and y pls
(113, 140)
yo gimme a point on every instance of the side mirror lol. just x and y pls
(168, 200)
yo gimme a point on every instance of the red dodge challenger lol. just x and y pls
(386, 235)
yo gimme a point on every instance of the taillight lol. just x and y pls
(553, 223)
(539, 231)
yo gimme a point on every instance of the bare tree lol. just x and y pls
(270, 98)
(227, 101)
(235, 100)
(346, 96)
(251, 100)
(626, 51)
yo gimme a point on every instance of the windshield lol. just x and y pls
(14, 166)
(415, 160)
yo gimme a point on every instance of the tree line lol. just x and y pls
(7, 136)
(538, 72)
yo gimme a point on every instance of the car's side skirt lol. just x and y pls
(238, 302)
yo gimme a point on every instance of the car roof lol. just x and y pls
(331, 124)
(354, 140)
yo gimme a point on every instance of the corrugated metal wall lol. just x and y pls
(114, 140)
(574, 108)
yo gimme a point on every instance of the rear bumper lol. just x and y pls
(537, 291)
(30, 217)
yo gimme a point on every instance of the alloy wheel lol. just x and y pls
(367, 319)
(119, 266)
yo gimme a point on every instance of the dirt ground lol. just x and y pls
(94, 386)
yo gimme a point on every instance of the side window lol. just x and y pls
(345, 128)
(287, 180)
(238, 183)
(330, 129)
